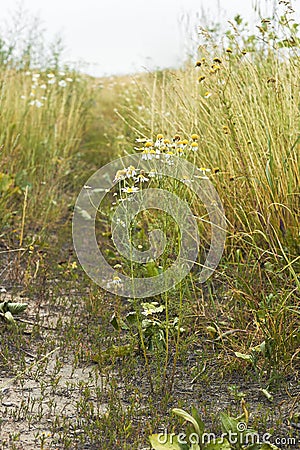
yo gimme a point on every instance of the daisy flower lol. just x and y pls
(130, 190)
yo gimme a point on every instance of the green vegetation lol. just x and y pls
(82, 368)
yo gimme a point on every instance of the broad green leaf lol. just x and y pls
(16, 308)
(132, 317)
(9, 317)
(189, 418)
(243, 356)
(229, 424)
(166, 442)
(13, 308)
(196, 415)
(152, 308)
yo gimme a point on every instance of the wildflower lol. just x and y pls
(155, 153)
(52, 81)
(121, 222)
(120, 175)
(194, 146)
(215, 68)
(130, 190)
(168, 155)
(226, 129)
(62, 83)
(69, 80)
(195, 137)
(150, 154)
(228, 50)
(217, 60)
(23, 97)
(149, 144)
(146, 154)
(271, 80)
(244, 52)
(185, 142)
(36, 103)
(130, 171)
(202, 78)
(203, 171)
(186, 180)
(35, 76)
(215, 170)
(176, 138)
(180, 151)
(50, 75)
(167, 142)
(43, 86)
(207, 94)
(116, 281)
(152, 174)
(198, 64)
(141, 178)
(159, 140)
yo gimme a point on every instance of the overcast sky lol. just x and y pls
(123, 36)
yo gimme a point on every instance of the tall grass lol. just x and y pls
(43, 109)
(245, 108)
(242, 99)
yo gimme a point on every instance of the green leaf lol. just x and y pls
(13, 308)
(244, 356)
(132, 317)
(16, 308)
(6, 182)
(118, 324)
(152, 308)
(189, 418)
(166, 442)
(196, 415)
(264, 446)
(267, 394)
(218, 444)
(194, 447)
(229, 424)
(9, 317)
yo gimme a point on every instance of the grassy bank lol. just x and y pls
(82, 368)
